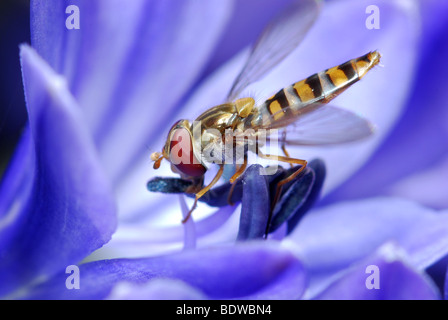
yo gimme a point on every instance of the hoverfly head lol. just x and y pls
(179, 151)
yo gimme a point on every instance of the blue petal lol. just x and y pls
(250, 270)
(66, 209)
(427, 186)
(256, 205)
(142, 240)
(157, 289)
(296, 199)
(319, 170)
(299, 197)
(446, 285)
(386, 275)
(332, 238)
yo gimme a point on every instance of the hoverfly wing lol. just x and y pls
(320, 125)
(276, 42)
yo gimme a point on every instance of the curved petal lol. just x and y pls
(385, 275)
(67, 209)
(428, 187)
(330, 239)
(157, 289)
(133, 240)
(256, 205)
(300, 196)
(254, 270)
(446, 286)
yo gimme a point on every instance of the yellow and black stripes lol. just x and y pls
(320, 87)
(277, 103)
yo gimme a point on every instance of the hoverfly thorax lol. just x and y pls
(179, 150)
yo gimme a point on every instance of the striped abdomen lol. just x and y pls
(318, 88)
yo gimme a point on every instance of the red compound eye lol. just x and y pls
(182, 155)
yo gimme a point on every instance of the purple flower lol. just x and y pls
(102, 97)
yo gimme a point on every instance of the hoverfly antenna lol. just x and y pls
(157, 157)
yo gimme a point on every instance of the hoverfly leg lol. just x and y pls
(284, 146)
(204, 191)
(191, 211)
(234, 179)
(229, 197)
(303, 164)
(278, 191)
(240, 171)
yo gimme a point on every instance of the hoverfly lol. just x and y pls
(300, 110)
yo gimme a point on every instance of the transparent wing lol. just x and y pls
(276, 42)
(320, 125)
